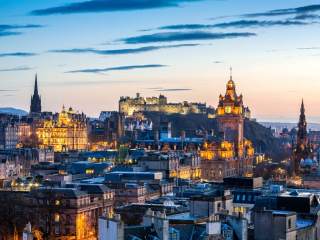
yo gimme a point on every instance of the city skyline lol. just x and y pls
(182, 49)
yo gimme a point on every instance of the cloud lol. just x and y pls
(94, 82)
(235, 24)
(17, 54)
(5, 27)
(121, 51)
(306, 17)
(8, 95)
(109, 6)
(8, 33)
(22, 68)
(120, 68)
(154, 88)
(9, 30)
(287, 11)
(173, 89)
(184, 36)
(309, 48)
(7, 90)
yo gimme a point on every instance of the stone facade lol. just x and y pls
(128, 106)
(63, 131)
(59, 213)
(231, 154)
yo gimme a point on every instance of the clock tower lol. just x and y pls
(230, 115)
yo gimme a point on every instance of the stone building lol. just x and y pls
(63, 131)
(172, 164)
(230, 154)
(128, 106)
(57, 213)
(283, 225)
(14, 133)
(206, 205)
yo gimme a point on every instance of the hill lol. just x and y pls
(261, 136)
(13, 111)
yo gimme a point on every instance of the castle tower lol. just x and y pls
(35, 106)
(302, 149)
(230, 117)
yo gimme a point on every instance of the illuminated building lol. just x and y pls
(233, 154)
(103, 133)
(302, 151)
(230, 115)
(64, 131)
(69, 213)
(128, 106)
(172, 164)
(35, 106)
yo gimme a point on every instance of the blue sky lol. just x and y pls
(88, 54)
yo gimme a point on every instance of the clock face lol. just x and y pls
(227, 109)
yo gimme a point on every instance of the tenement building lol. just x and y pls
(63, 131)
(128, 105)
(56, 213)
(231, 154)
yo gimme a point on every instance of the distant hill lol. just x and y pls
(13, 111)
(280, 125)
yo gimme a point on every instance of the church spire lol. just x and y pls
(302, 110)
(35, 106)
(302, 125)
(36, 85)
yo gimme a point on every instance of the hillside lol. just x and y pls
(13, 111)
(262, 138)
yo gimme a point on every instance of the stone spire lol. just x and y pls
(302, 149)
(36, 86)
(302, 126)
(35, 106)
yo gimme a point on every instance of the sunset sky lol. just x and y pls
(89, 53)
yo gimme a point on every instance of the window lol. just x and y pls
(89, 171)
(57, 202)
(57, 217)
(68, 219)
(219, 206)
(227, 109)
(289, 223)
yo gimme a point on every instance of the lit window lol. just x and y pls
(89, 171)
(57, 202)
(227, 109)
(57, 217)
